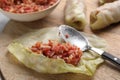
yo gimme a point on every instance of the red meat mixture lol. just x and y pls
(25, 6)
(69, 53)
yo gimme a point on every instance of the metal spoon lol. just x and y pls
(73, 36)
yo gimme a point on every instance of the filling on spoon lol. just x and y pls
(71, 54)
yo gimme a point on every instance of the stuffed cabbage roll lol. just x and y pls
(105, 15)
(38, 61)
(75, 14)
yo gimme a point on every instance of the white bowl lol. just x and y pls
(27, 17)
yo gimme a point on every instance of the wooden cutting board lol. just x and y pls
(14, 29)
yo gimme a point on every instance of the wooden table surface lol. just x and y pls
(111, 34)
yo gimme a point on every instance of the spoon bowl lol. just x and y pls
(74, 37)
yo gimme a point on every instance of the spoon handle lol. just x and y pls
(107, 56)
(111, 58)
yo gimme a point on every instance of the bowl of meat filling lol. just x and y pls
(27, 10)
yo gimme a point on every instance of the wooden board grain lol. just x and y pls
(14, 29)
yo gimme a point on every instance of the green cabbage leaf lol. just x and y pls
(20, 48)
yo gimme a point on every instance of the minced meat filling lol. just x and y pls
(71, 54)
(25, 6)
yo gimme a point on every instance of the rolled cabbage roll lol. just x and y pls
(105, 15)
(75, 14)
(87, 65)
